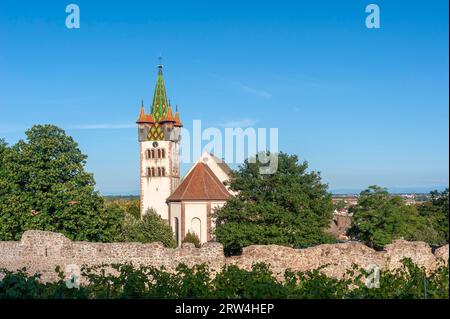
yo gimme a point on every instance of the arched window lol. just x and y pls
(147, 154)
(159, 171)
(152, 154)
(163, 171)
(163, 153)
(159, 153)
(177, 233)
(149, 171)
(153, 171)
(196, 227)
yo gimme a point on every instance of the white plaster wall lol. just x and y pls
(210, 161)
(175, 212)
(221, 175)
(196, 210)
(156, 189)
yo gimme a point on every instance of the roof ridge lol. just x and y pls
(205, 189)
(200, 184)
(189, 177)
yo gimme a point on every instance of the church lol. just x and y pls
(185, 203)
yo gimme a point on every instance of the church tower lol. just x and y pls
(159, 141)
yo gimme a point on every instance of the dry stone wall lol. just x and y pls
(41, 251)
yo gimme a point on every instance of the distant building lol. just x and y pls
(347, 200)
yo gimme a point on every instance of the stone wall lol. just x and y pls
(41, 251)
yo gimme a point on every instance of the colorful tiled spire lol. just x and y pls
(159, 104)
(161, 111)
(159, 107)
(169, 117)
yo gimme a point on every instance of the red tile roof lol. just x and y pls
(145, 118)
(201, 184)
(168, 118)
(177, 120)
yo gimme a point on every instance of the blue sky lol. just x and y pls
(362, 106)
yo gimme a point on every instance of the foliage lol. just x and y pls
(379, 218)
(125, 281)
(129, 206)
(3, 147)
(192, 238)
(290, 207)
(436, 212)
(43, 185)
(150, 228)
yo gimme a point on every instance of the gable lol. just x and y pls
(200, 184)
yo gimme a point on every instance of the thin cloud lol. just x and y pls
(257, 92)
(238, 123)
(102, 126)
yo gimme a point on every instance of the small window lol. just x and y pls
(148, 171)
(163, 171)
(152, 154)
(159, 153)
(163, 153)
(153, 171)
(159, 171)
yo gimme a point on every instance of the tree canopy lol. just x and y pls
(290, 207)
(379, 218)
(44, 185)
(150, 228)
(193, 239)
(436, 212)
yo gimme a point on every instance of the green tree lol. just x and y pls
(290, 207)
(192, 238)
(436, 213)
(379, 218)
(3, 147)
(129, 206)
(43, 185)
(151, 228)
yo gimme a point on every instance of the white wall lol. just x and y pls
(156, 189)
(196, 210)
(175, 212)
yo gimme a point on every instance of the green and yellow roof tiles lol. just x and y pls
(160, 102)
(161, 111)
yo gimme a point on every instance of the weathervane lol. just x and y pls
(160, 61)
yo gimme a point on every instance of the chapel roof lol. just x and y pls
(200, 184)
